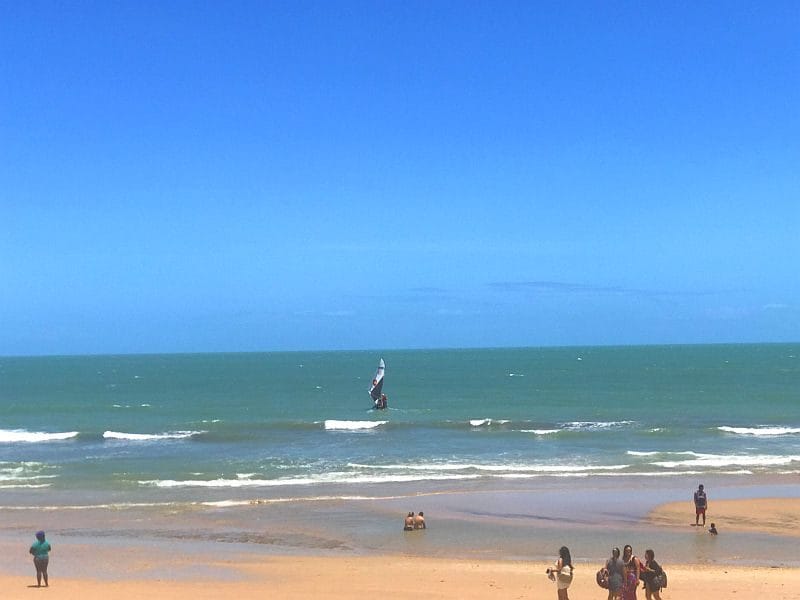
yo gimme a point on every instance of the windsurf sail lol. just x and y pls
(376, 389)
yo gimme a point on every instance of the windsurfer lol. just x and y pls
(382, 402)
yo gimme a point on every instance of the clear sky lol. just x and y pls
(235, 176)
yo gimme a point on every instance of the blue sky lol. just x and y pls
(239, 176)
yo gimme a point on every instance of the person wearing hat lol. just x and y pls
(41, 556)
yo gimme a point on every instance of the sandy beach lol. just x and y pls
(400, 578)
(128, 568)
(778, 516)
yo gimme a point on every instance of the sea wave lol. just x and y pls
(592, 425)
(26, 474)
(730, 460)
(146, 437)
(334, 424)
(487, 422)
(541, 431)
(13, 436)
(325, 478)
(660, 453)
(491, 468)
(761, 431)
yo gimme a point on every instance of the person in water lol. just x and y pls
(419, 521)
(409, 522)
(41, 556)
(382, 402)
(713, 529)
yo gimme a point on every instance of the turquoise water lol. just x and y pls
(243, 426)
(510, 452)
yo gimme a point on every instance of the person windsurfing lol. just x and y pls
(379, 399)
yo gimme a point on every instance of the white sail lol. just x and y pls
(376, 389)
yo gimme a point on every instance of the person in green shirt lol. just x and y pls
(41, 556)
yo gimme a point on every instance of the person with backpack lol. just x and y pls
(652, 575)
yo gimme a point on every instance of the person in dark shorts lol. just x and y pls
(41, 556)
(651, 575)
(700, 505)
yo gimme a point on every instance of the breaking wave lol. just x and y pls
(148, 437)
(14, 436)
(761, 431)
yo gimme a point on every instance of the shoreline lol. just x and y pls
(518, 521)
(480, 543)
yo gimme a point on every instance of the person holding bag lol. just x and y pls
(562, 573)
(652, 575)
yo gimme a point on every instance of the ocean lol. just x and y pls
(554, 429)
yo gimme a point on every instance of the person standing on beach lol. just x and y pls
(561, 573)
(651, 575)
(616, 571)
(409, 522)
(700, 505)
(41, 556)
(419, 521)
(631, 573)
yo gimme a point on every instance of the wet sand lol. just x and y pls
(777, 516)
(215, 553)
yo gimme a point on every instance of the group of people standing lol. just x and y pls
(413, 521)
(622, 575)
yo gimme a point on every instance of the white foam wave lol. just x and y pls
(729, 460)
(596, 424)
(352, 425)
(661, 453)
(20, 477)
(146, 437)
(486, 422)
(540, 431)
(761, 431)
(25, 485)
(489, 468)
(116, 506)
(24, 475)
(327, 478)
(13, 436)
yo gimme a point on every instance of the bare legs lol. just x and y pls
(41, 571)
